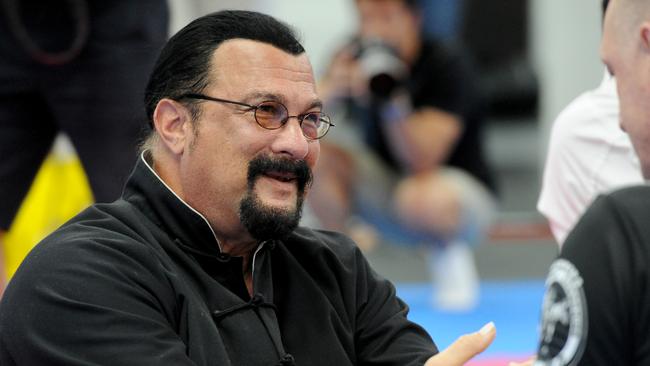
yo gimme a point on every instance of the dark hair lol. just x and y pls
(184, 62)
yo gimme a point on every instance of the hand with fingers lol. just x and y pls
(529, 362)
(465, 347)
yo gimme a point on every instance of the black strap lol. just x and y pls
(287, 360)
(257, 301)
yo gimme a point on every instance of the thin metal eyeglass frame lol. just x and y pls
(300, 117)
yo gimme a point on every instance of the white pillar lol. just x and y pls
(565, 38)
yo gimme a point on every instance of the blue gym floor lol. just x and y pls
(514, 306)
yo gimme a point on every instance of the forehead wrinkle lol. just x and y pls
(305, 74)
(245, 53)
(302, 78)
(261, 96)
(265, 73)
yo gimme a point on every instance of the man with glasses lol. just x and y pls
(201, 261)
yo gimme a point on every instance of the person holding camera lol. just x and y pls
(418, 120)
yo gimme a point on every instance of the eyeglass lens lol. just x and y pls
(273, 115)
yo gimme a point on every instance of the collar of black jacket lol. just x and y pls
(148, 191)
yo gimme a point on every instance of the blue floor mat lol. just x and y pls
(514, 306)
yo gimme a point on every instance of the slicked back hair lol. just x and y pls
(184, 63)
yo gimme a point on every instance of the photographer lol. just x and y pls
(419, 124)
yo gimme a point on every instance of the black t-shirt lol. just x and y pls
(442, 78)
(597, 304)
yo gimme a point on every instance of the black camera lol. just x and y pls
(382, 65)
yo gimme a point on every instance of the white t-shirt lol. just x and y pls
(588, 154)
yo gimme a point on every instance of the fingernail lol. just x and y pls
(487, 328)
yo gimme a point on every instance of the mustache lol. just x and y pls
(261, 165)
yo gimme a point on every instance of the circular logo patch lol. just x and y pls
(564, 317)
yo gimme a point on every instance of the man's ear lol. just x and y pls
(645, 37)
(172, 122)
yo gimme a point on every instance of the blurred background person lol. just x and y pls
(418, 166)
(588, 154)
(76, 67)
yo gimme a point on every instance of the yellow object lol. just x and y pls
(59, 192)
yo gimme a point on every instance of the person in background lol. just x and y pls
(201, 261)
(419, 155)
(588, 154)
(75, 67)
(595, 309)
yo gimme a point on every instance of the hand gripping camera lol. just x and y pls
(382, 65)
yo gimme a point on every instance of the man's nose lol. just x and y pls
(291, 140)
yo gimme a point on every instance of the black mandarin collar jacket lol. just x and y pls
(142, 281)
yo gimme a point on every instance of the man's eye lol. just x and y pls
(267, 108)
(313, 118)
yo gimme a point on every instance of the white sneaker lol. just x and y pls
(455, 277)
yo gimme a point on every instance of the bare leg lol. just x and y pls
(432, 203)
(428, 202)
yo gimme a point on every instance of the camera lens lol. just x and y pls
(384, 69)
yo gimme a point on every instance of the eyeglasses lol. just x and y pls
(272, 115)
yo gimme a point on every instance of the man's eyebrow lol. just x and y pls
(316, 103)
(264, 96)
